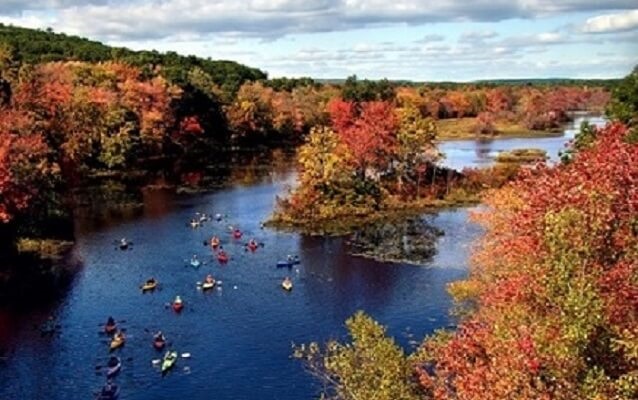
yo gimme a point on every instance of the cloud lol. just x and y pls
(431, 38)
(157, 19)
(619, 22)
(477, 36)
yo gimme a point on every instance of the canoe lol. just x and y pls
(208, 285)
(169, 360)
(117, 342)
(287, 285)
(110, 328)
(148, 286)
(113, 367)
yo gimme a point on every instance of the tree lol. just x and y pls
(555, 281)
(416, 150)
(372, 366)
(368, 130)
(624, 102)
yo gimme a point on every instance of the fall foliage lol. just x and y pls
(555, 285)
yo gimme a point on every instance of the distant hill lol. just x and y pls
(492, 82)
(36, 46)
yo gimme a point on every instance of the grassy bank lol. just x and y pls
(463, 128)
(347, 223)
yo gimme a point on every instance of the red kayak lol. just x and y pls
(159, 343)
(178, 305)
(237, 234)
(222, 258)
(252, 246)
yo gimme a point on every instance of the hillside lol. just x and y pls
(36, 46)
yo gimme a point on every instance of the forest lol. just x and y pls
(72, 108)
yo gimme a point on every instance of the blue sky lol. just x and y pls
(399, 39)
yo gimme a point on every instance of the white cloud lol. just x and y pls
(624, 21)
(154, 19)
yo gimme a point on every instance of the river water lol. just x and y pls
(239, 336)
(480, 153)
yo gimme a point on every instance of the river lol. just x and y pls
(239, 336)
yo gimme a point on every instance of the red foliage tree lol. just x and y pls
(368, 130)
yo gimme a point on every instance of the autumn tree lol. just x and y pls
(555, 282)
(416, 148)
(370, 366)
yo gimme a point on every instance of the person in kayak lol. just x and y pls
(214, 241)
(110, 322)
(159, 337)
(209, 278)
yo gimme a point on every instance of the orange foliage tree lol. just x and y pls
(554, 287)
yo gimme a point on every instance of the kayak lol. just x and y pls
(169, 360)
(214, 243)
(237, 234)
(113, 367)
(208, 285)
(284, 264)
(149, 286)
(195, 263)
(47, 328)
(252, 246)
(159, 343)
(194, 224)
(222, 258)
(109, 392)
(117, 342)
(286, 285)
(178, 306)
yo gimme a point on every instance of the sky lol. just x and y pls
(419, 40)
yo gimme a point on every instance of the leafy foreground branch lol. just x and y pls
(372, 366)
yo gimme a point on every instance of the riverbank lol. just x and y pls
(464, 128)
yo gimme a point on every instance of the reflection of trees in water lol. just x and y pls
(483, 148)
(344, 281)
(238, 168)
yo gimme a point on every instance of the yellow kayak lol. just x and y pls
(208, 285)
(149, 286)
(287, 285)
(117, 341)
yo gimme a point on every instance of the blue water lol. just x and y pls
(240, 336)
(480, 153)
